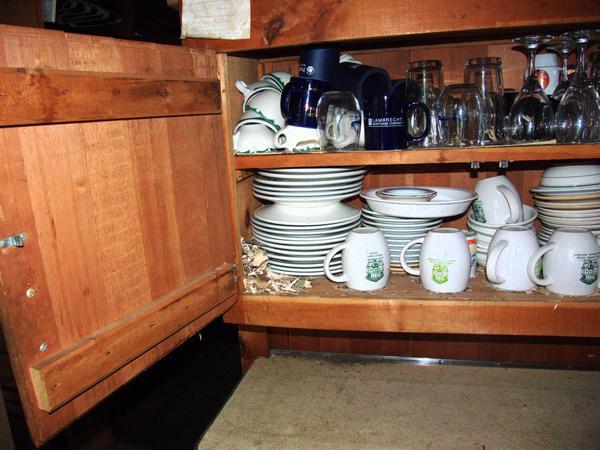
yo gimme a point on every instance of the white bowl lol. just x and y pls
(407, 193)
(529, 214)
(447, 203)
(573, 170)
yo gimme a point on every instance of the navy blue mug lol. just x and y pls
(299, 101)
(386, 119)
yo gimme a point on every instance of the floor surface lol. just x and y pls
(330, 402)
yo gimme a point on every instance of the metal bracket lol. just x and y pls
(16, 240)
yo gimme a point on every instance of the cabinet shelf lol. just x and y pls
(404, 306)
(546, 152)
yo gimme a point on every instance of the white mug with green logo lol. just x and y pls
(444, 262)
(498, 201)
(365, 260)
(569, 262)
(508, 254)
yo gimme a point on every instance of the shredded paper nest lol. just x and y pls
(260, 279)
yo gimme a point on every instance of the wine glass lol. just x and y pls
(563, 45)
(531, 115)
(594, 69)
(578, 113)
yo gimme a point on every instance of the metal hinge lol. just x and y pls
(234, 271)
(16, 240)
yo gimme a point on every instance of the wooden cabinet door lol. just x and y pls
(113, 169)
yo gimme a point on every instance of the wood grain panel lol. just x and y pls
(42, 96)
(289, 23)
(74, 369)
(111, 213)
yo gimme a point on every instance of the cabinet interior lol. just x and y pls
(402, 317)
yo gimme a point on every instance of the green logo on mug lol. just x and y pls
(439, 272)
(375, 267)
(589, 269)
(478, 212)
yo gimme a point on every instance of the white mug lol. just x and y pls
(498, 201)
(253, 136)
(296, 138)
(444, 261)
(508, 255)
(365, 260)
(569, 262)
(265, 104)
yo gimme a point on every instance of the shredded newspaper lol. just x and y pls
(260, 278)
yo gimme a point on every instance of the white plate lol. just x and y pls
(306, 202)
(337, 261)
(286, 215)
(314, 226)
(306, 183)
(296, 231)
(284, 253)
(291, 258)
(294, 246)
(585, 204)
(565, 191)
(448, 202)
(567, 198)
(304, 273)
(300, 240)
(411, 230)
(338, 174)
(323, 190)
(368, 212)
(544, 212)
(307, 193)
(555, 225)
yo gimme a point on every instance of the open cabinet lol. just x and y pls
(118, 172)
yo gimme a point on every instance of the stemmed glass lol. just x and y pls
(578, 114)
(531, 116)
(563, 45)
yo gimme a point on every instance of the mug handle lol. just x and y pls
(513, 203)
(284, 103)
(280, 139)
(335, 278)
(492, 262)
(403, 262)
(533, 261)
(423, 106)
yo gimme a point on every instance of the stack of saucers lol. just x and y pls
(568, 196)
(307, 218)
(398, 232)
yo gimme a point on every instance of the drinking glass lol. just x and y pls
(594, 69)
(578, 114)
(486, 74)
(424, 83)
(531, 116)
(460, 111)
(563, 45)
(338, 121)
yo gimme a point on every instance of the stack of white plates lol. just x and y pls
(297, 239)
(568, 196)
(398, 232)
(310, 186)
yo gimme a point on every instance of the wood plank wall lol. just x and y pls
(118, 213)
(579, 352)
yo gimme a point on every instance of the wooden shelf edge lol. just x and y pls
(569, 318)
(545, 152)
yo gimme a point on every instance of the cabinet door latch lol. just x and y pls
(16, 240)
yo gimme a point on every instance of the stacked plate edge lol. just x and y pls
(568, 196)
(398, 232)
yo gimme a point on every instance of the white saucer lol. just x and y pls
(285, 215)
(307, 183)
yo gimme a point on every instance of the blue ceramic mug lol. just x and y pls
(299, 101)
(386, 119)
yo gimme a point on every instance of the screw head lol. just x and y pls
(43, 347)
(30, 292)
